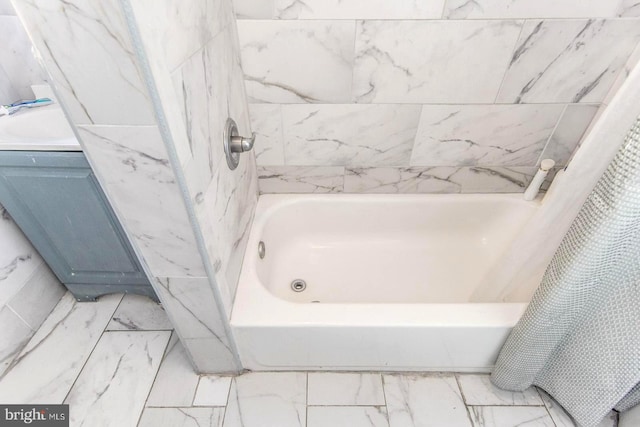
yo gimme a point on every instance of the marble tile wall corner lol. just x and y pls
(354, 9)
(465, 60)
(190, 305)
(321, 50)
(211, 356)
(301, 179)
(106, 86)
(349, 135)
(483, 135)
(169, 25)
(505, 9)
(568, 60)
(224, 200)
(135, 171)
(225, 214)
(567, 135)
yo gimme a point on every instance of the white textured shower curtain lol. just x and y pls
(579, 339)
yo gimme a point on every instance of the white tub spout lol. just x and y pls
(538, 179)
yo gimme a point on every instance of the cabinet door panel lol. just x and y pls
(60, 206)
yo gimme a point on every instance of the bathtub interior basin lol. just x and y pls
(387, 282)
(409, 249)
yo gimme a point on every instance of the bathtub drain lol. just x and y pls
(298, 285)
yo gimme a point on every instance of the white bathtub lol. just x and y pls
(388, 281)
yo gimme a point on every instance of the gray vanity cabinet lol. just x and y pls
(57, 202)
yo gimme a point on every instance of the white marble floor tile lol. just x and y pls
(116, 380)
(176, 382)
(562, 419)
(327, 388)
(267, 399)
(47, 367)
(424, 401)
(182, 417)
(347, 416)
(478, 390)
(212, 391)
(510, 416)
(139, 313)
(15, 335)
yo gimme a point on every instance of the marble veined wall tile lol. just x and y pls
(574, 122)
(632, 62)
(224, 200)
(171, 23)
(501, 9)
(266, 121)
(356, 9)
(297, 62)
(137, 175)
(483, 135)
(440, 179)
(630, 9)
(252, 9)
(105, 87)
(400, 180)
(432, 61)
(225, 214)
(207, 89)
(301, 179)
(568, 60)
(351, 135)
(191, 308)
(17, 60)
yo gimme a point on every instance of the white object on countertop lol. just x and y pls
(538, 179)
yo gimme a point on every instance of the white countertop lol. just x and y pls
(37, 129)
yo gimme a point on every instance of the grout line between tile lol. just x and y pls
(555, 128)
(155, 377)
(92, 350)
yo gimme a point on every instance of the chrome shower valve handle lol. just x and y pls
(235, 144)
(240, 144)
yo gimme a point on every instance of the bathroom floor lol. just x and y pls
(118, 363)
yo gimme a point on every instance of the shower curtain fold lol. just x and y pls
(579, 338)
